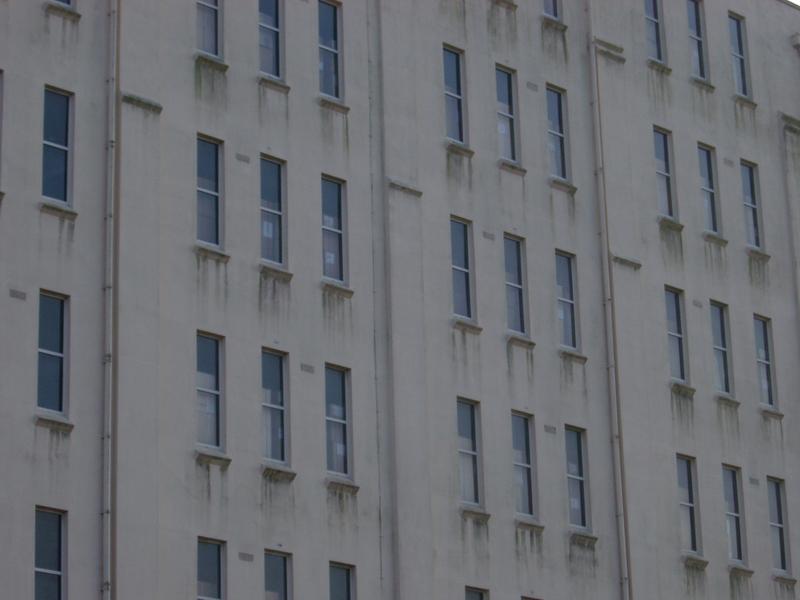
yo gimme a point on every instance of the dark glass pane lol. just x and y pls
(673, 312)
(335, 400)
(328, 26)
(272, 378)
(271, 242)
(48, 586)
(51, 323)
(56, 118)
(458, 244)
(50, 382)
(521, 439)
(340, 583)
(516, 321)
(564, 276)
(661, 142)
(331, 204)
(337, 446)
(551, 8)
(775, 512)
(461, 293)
(268, 12)
(207, 218)
(731, 494)
(466, 427)
(522, 483)
(762, 339)
(693, 9)
(269, 51)
(207, 166)
(512, 256)
(454, 118)
(685, 480)
(48, 540)
(505, 102)
(207, 363)
(54, 173)
(653, 40)
(566, 317)
(718, 325)
(577, 505)
(328, 73)
(207, 38)
(452, 72)
(208, 570)
(735, 30)
(332, 255)
(574, 453)
(474, 595)
(274, 432)
(275, 576)
(554, 116)
(651, 8)
(208, 418)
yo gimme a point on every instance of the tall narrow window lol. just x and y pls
(751, 204)
(208, 390)
(271, 211)
(719, 332)
(50, 393)
(738, 54)
(551, 9)
(208, 196)
(523, 463)
(576, 479)
(697, 44)
(208, 26)
(332, 230)
(341, 582)
(209, 570)
(273, 405)
(473, 594)
(269, 37)
(56, 152)
(276, 576)
(663, 172)
(49, 553)
(655, 46)
(688, 504)
(777, 525)
(677, 363)
(764, 360)
(515, 292)
(468, 452)
(708, 187)
(556, 133)
(337, 415)
(460, 252)
(733, 515)
(565, 291)
(453, 96)
(329, 60)
(506, 128)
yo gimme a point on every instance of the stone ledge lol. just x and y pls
(53, 421)
(529, 523)
(740, 571)
(609, 50)
(715, 238)
(511, 166)
(583, 538)
(668, 223)
(476, 513)
(703, 84)
(273, 83)
(770, 412)
(212, 62)
(573, 355)
(519, 339)
(562, 184)
(659, 66)
(784, 579)
(338, 288)
(459, 148)
(277, 472)
(790, 123)
(757, 254)
(341, 484)
(212, 456)
(694, 561)
(401, 186)
(465, 324)
(727, 399)
(624, 261)
(745, 101)
(275, 271)
(213, 252)
(143, 103)
(334, 104)
(61, 210)
(553, 23)
(62, 10)
(509, 4)
(683, 389)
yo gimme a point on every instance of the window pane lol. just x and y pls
(268, 12)
(551, 8)
(516, 321)
(452, 72)
(458, 244)
(335, 400)
(474, 595)
(577, 514)
(468, 473)
(653, 39)
(50, 386)
(778, 548)
(340, 583)
(687, 528)
(762, 339)
(274, 432)
(566, 317)
(48, 586)
(269, 51)
(271, 185)
(574, 453)
(207, 214)
(275, 575)
(331, 204)
(207, 29)
(207, 363)
(661, 144)
(664, 190)
(564, 276)
(56, 118)
(505, 137)
(271, 243)
(328, 72)
(520, 428)
(522, 483)
(512, 261)
(461, 293)
(676, 357)
(698, 61)
(775, 509)
(554, 117)
(207, 420)
(337, 446)
(734, 543)
(765, 383)
(48, 540)
(693, 8)
(651, 8)
(208, 570)
(454, 118)
(207, 166)
(505, 101)
(332, 255)
(466, 427)
(54, 173)
(710, 210)
(328, 26)
(721, 363)
(272, 378)
(731, 493)
(51, 323)
(673, 312)
(685, 481)
(718, 325)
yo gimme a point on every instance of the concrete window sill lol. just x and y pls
(703, 84)
(694, 561)
(475, 513)
(585, 539)
(512, 166)
(54, 421)
(659, 66)
(757, 254)
(206, 455)
(404, 187)
(784, 579)
(62, 10)
(509, 4)
(275, 271)
(338, 288)
(459, 148)
(334, 104)
(465, 324)
(740, 570)
(770, 412)
(529, 523)
(515, 338)
(277, 472)
(573, 355)
(210, 61)
(631, 263)
(213, 252)
(715, 238)
(61, 210)
(553, 23)
(341, 484)
(727, 399)
(273, 83)
(557, 183)
(745, 101)
(667, 223)
(144, 103)
(683, 389)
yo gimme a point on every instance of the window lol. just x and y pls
(460, 252)
(652, 15)
(208, 390)
(663, 172)
(687, 484)
(551, 9)
(738, 54)
(332, 230)
(576, 479)
(506, 127)
(565, 292)
(269, 37)
(209, 570)
(453, 96)
(341, 582)
(719, 332)
(337, 420)
(208, 192)
(752, 209)
(697, 44)
(50, 392)
(271, 211)
(708, 187)
(515, 291)
(473, 594)
(777, 525)
(329, 60)
(733, 514)
(273, 405)
(556, 136)
(276, 576)
(468, 452)
(208, 26)
(523, 463)
(764, 360)
(677, 366)
(49, 551)
(55, 157)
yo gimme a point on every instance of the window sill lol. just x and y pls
(667, 223)
(206, 455)
(337, 483)
(62, 210)
(624, 261)
(584, 538)
(275, 271)
(509, 4)
(210, 61)
(745, 101)
(465, 324)
(683, 389)
(694, 561)
(334, 104)
(330, 286)
(406, 188)
(757, 254)
(770, 412)
(573, 355)
(515, 338)
(559, 183)
(703, 84)
(459, 148)
(273, 83)
(528, 522)
(277, 472)
(659, 66)
(553, 23)
(475, 513)
(727, 399)
(512, 166)
(53, 421)
(740, 570)
(715, 238)
(144, 103)
(213, 252)
(783, 579)
(62, 10)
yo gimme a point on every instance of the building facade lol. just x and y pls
(398, 299)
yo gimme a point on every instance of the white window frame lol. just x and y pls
(337, 52)
(280, 46)
(458, 96)
(737, 517)
(530, 465)
(561, 135)
(217, 8)
(692, 504)
(347, 422)
(469, 271)
(67, 149)
(699, 41)
(572, 303)
(768, 362)
(658, 23)
(707, 152)
(63, 355)
(510, 117)
(739, 56)
(62, 574)
(475, 455)
(753, 208)
(724, 348)
(672, 206)
(282, 409)
(281, 214)
(582, 479)
(779, 528)
(222, 570)
(219, 393)
(676, 295)
(341, 233)
(287, 571)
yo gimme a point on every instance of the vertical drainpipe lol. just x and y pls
(109, 304)
(610, 329)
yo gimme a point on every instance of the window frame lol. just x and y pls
(337, 52)
(724, 348)
(571, 302)
(221, 558)
(62, 574)
(555, 13)
(680, 334)
(219, 393)
(469, 270)
(287, 571)
(657, 22)
(341, 233)
(64, 355)
(482, 594)
(755, 239)
(777, 487)
(692, 505)
(582, 478)
(769, 362)
(280, 46)
(671, 211)
(281, 214)
(740, 56)
(475, 454)
(68, 149)
(460, 96)
(283, 409)
(561, 134)
(521, 288)
(347, 421)
(708, 154)
(217, 7)
(351, 578)
(509, 117)
(219, 194)
(698, 40)
(737, 515)
(530, 466)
